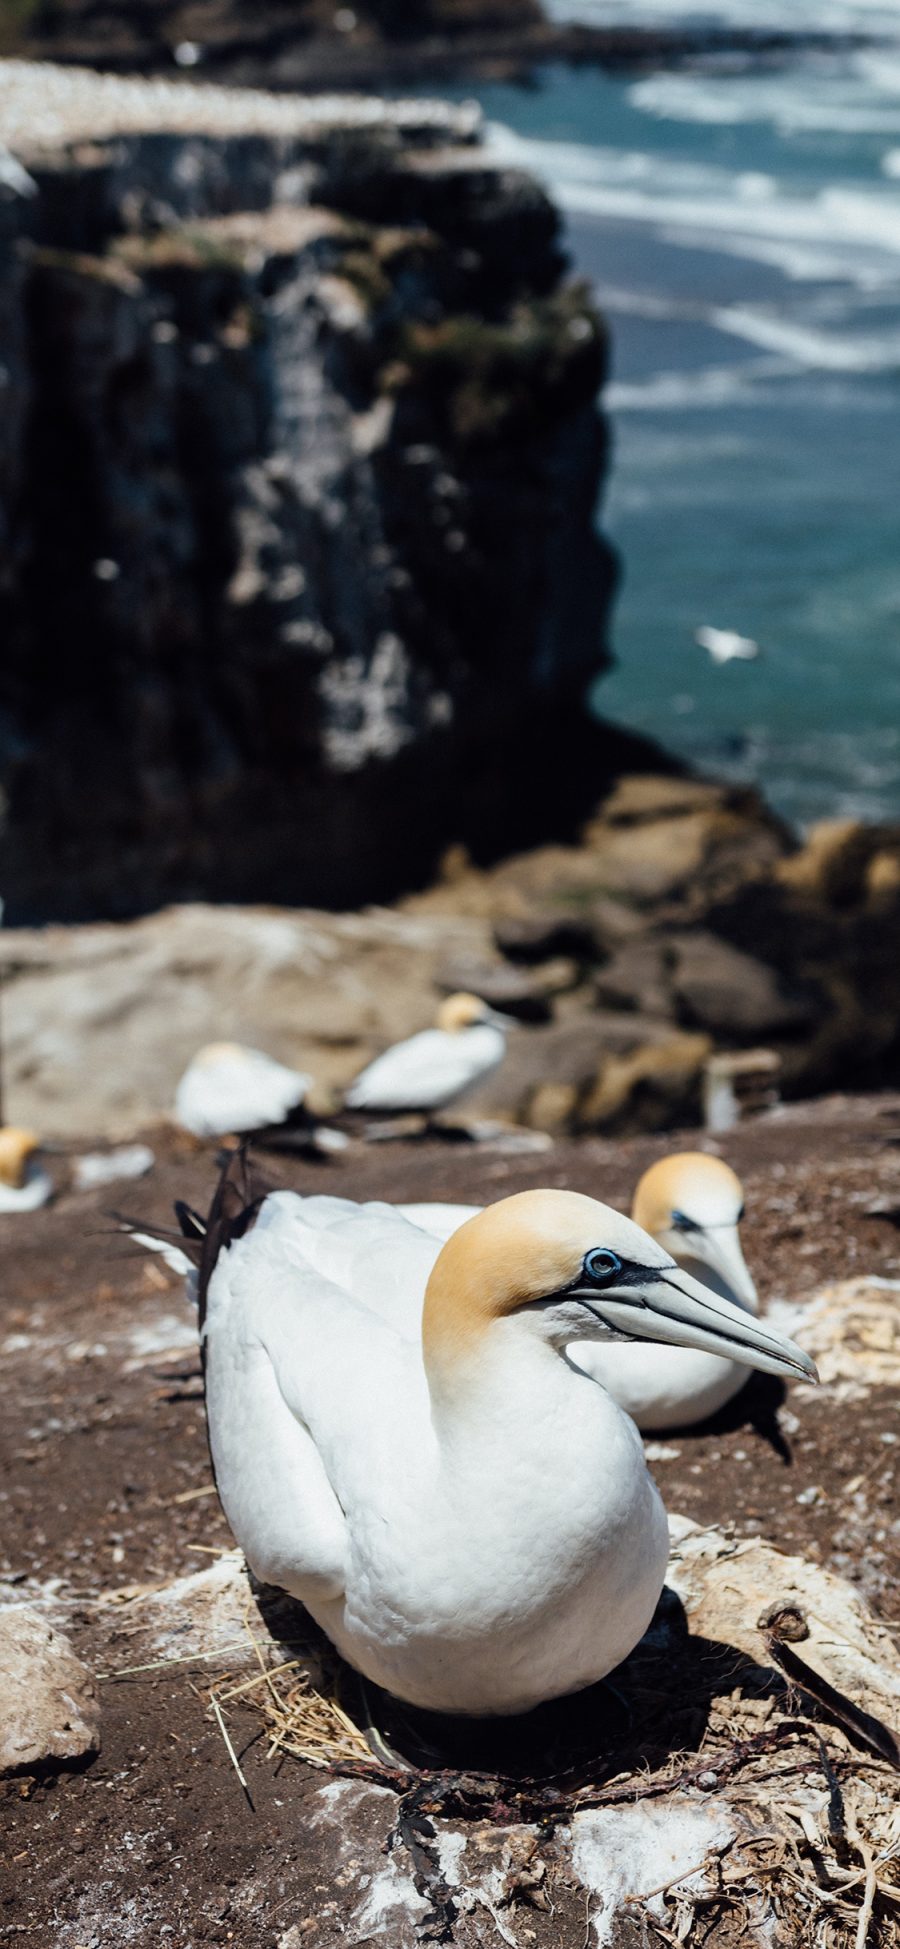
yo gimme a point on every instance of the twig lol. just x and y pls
(664, 1886)
(869, 1893)
(162, 1664)
(265, 1670)
(252, 1683)
(230, 1749)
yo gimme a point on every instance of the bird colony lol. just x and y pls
(426, 1419)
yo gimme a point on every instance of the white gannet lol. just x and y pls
(228, 1089)
(691, 1204)
(401, 1442)
(24, 1184)
(726, 646)
(435, 1068)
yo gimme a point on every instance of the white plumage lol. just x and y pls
(436, 1067)
(228, 1089)
(24, 1184)
(399, 1441)
(36, 1190)
(691, 1205)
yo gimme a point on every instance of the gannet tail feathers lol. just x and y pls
(168, 1244)
(232, 1213)
(190, 1224)
(194, 1248)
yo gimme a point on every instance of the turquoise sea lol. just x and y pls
(741, 227)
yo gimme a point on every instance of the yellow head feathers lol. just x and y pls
(518, 1250)
(460, 1012)
(216, 1052)
(701, 1188)
(17, 1147)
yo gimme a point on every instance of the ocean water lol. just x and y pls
(818, 16)
(741, 228)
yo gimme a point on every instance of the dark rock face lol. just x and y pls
(299, 493)
(118, 31)
(730, 993)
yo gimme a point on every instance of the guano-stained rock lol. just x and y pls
(49, 1711)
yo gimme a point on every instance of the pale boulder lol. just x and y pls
(49, 1710)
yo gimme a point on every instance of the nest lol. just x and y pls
(852, 1330)
(301, 1722)
(790, 1783)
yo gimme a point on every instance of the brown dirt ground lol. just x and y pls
(102, 1433)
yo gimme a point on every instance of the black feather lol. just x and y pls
(187, 1242)
(231, 1214)
(192, 1225)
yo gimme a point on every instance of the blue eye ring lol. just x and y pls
(602, 1267)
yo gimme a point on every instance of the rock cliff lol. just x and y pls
(118, 33)
(297, 487)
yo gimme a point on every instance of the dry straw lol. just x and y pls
(815, 1862)
(300, 1721)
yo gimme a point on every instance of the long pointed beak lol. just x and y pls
(674, 1308)
(720, 1248)
(498, 1020)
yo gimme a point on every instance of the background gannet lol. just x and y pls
(228, 1089)
(24, 1184)
(437, 1067)
(400, 1441)
(691, 1204)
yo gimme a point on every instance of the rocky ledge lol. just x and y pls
(686, 925)
(297, 482)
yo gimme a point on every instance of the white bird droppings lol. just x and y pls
(623, 1854)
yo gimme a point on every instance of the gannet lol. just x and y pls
(228, 1089)
(400, 1441)
(435, 1068)
(725, 645)
(691, 1204)
(24, 1184)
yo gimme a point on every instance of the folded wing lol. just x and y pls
(293, 1356)
(422, 1074)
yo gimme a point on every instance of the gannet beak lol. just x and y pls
(671, 1307)
(498, 1020)
(721, 1249)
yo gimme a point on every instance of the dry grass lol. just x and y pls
(301, 1721)
(815, 1863)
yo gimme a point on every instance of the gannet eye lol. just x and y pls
(602, 1266)
(682, 1223)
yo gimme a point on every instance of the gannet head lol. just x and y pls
(466, 1012)
(563, 1267)
(214, 1053)
(17, 1147)
(692, 1205)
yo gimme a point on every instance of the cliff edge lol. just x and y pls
(117, 34)
(298, 481)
